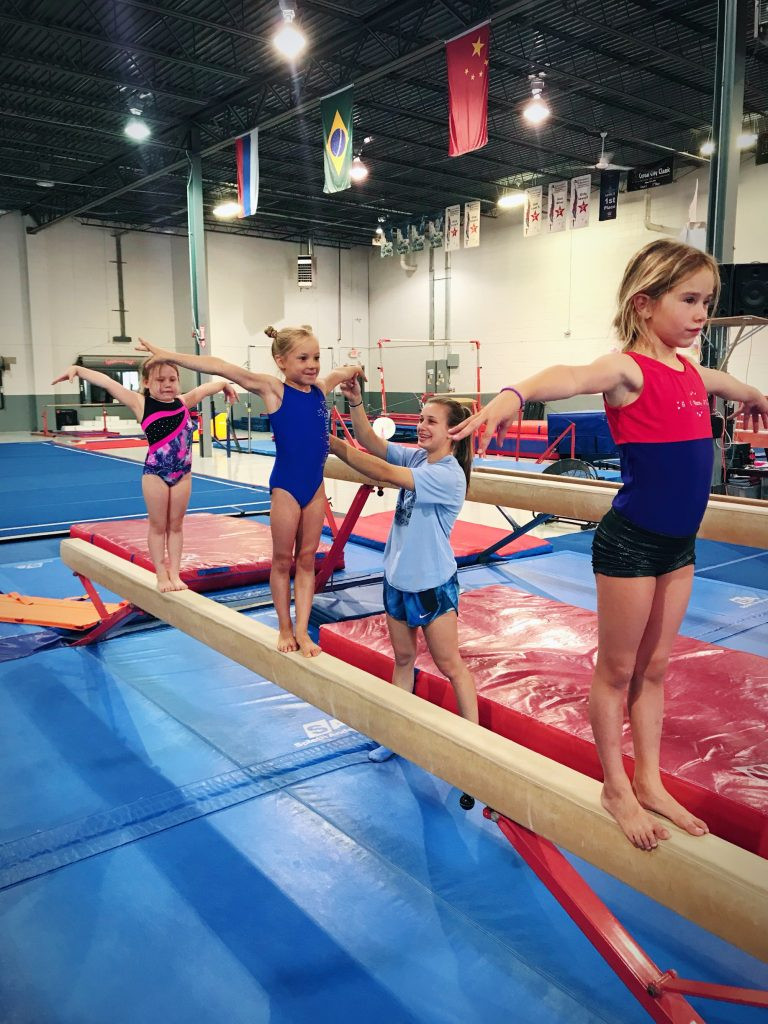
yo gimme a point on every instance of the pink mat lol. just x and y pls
(219, 551)
(532, 660)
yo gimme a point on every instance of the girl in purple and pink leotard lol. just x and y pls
(167, 479)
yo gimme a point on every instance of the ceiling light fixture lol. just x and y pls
(707, 148)
(358, 171)
(510, 200)
(289, 39)
(137, 129)
(44, 183)
(227, 209)
(536, 110)
(746, 139)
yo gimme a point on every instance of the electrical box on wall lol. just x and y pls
(305, 271)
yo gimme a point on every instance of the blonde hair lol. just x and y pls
(455, 413)
(654, 270)
(149, 365)
(284, 340)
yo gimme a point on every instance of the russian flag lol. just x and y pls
(247, 153)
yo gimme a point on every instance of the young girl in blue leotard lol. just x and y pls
(299, 420)
(166, 482)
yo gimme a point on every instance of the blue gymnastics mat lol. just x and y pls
(184, 841)
(45, 488)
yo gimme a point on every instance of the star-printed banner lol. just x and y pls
(557, 205)
(467, 64)
(472, 224)
(532, 218)
(580, 189)
(452, 228)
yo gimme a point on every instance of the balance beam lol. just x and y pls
(734, 520)
(713, 883)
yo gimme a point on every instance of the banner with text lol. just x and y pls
(472, 224)
(532, 217)
(557, 205)
(609, 194)
(452, 228)
(580, 189)
(651, 175)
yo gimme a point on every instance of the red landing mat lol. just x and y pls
(219, 551)
(104, 445)
(532, 660)
(467, 539)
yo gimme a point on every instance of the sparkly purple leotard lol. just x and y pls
(168, 428)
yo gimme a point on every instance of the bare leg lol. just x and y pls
(646, 698)
(179, 499)
(442, 636)
(623, 609)
(403, 639)
(284, 524)
(307, 543)
(157, 499)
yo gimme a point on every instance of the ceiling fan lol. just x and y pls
(604, 160)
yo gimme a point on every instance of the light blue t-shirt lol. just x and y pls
(418, 555)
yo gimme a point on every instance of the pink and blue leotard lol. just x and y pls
(168, 428)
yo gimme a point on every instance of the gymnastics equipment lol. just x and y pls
(718, 886)
(57, 407)
(425, 342)
(734, 520)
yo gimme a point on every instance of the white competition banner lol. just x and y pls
(580, 189)
(532, 218)
(557, 205)
(472, 224)
(452, 228)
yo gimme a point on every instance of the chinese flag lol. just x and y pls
(467, 60)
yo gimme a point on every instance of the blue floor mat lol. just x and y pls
(45, 488)
(145, 886)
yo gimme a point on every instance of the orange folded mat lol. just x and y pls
(59, 612)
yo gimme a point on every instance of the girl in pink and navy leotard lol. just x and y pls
(166, 481)
(643, 551)
(168, 428)
(299, 419)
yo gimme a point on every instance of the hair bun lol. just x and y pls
(270, 332)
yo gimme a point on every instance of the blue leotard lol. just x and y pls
(301, 426)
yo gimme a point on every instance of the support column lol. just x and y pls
(198, 274)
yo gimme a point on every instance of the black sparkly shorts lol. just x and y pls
(622, 549)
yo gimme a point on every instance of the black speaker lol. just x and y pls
(743, 290)
(749, 293)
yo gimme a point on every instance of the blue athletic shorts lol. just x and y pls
(421, 608)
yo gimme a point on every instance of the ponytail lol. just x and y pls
(455, 414)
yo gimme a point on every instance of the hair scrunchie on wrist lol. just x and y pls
(516, 392)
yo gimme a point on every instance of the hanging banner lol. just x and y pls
(435, 230)
(557, 204)
(651, 175)
(387, 246)
(336, 113)
(247, 161)
(417, 232)
(609, 194)
(532, 218)
(467, 65)
(452, 228)
(472, 224)
(580, 189)
(403, 239)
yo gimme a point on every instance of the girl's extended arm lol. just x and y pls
(338, 376)
(754, 406)
(132, 399)
(363, 433)
(616, 376)
(261, 384)
(211, 387)
(371, 466)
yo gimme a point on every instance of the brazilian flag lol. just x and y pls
(337, 139)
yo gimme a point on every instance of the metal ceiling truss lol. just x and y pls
(638, 69)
